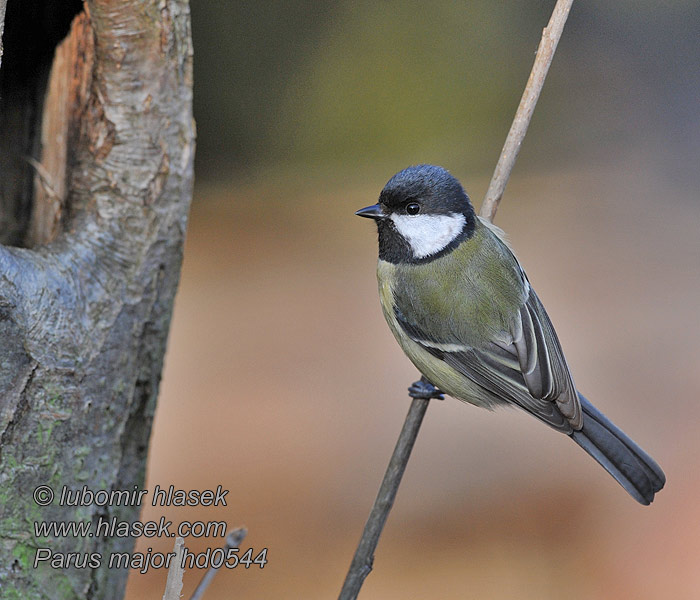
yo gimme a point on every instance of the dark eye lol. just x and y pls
(412, 208)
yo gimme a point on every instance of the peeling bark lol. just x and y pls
(64, 107)
(85, 308)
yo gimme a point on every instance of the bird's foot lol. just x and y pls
(425, 390)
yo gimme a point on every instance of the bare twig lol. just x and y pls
(173, 585)
(521, 121)
(233, 540)
(3, 3)
(364, 555)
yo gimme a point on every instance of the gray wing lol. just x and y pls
(525, 366)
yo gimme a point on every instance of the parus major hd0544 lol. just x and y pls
(462, 309)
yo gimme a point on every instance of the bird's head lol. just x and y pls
(423, 212)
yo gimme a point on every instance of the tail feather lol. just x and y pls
(633, 468)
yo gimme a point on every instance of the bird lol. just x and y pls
(462, 309)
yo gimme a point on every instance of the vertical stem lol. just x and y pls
(173, 584)
(3, 4)
(521, 121)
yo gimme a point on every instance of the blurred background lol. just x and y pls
(283, 383)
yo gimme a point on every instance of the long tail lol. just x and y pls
(633, 468)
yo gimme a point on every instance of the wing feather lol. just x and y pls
(524, 366)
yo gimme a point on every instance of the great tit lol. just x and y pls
(463, 311)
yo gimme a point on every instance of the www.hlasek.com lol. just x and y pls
(101, 526)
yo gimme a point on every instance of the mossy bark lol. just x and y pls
(87, 286)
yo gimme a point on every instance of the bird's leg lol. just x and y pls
(425, 390)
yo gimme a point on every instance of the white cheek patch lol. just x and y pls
(428, 234)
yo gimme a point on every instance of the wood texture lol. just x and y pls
(84, 319)
(66, 101)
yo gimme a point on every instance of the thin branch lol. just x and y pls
(173, 585)
(364, 555)
(3, 4)
(521, 121)
(233, 540)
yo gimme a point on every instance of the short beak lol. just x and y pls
(371, 212)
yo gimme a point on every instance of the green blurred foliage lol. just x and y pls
(246, 54)
(344, 85)
(403, 78)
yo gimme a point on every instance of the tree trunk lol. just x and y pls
(90, 266)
